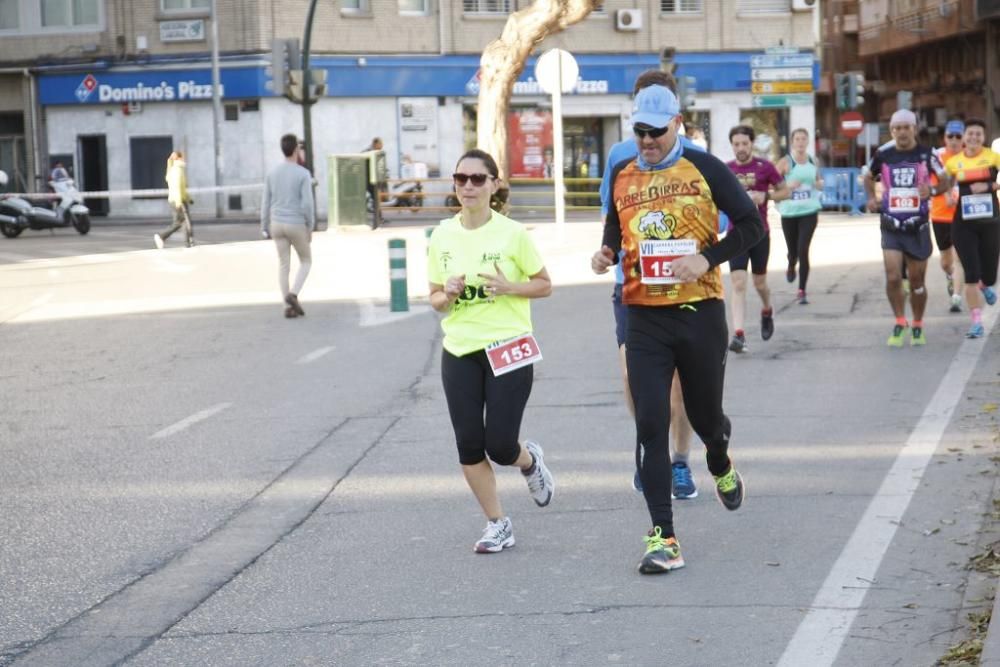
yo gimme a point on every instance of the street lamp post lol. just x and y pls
(217, 108)
(307, 100)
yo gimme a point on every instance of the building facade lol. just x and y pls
(109, 87)
(939, 57)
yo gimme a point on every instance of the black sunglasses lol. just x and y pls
(652, 132)
(954, 136)
(477, 179)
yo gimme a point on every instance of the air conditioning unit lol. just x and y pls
(628, 19)
(803, 5)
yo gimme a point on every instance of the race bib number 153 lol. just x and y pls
(509, 355)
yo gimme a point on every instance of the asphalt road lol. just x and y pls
(188, 478)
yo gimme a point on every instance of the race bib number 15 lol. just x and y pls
(509, 355)
(656, 256)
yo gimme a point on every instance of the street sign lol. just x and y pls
(781, 74)
(797, 60)
(547, 71)
(851, 124)
(766, 87)
(792, 100)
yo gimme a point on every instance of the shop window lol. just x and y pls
(148, 156)
(486, 6)
(232, 111)
(680, 6)
(70, 13)
(413, 6)
(250, 105)
(8, 15)
(12, 122)
(184, 5)
(763, 7)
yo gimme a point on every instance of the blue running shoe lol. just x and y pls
(976, 331)
(683, 482)
(989, 294)
(636, 482)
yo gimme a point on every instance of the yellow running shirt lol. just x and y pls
(980, 168)
(478, 319)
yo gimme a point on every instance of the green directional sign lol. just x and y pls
(790, 100)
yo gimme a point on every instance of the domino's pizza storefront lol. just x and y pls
(115, 126)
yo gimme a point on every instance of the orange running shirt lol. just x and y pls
(660, 214)
(940, 211)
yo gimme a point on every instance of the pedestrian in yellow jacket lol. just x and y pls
(179, 199)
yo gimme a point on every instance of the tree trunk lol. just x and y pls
(503, 61)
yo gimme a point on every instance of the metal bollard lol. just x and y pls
(398, 301)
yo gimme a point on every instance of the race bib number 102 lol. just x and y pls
(656, 256)
(509, 355)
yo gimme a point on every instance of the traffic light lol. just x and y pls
(842, 87)
(856, 92)
(687, 89)
(667, 63)
(285, 57)
(295, 85)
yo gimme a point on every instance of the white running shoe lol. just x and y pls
(158, 240)
(540, 481)
(499, 535)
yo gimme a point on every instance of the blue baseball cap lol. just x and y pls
(655, 106)
(954, 127)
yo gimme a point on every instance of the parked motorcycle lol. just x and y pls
(407, 193)
(18, 214)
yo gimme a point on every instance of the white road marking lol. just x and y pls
(315, 354)
(14, 257)
(40, 301)
(163, 265)
(189, 421)
(373, 316)
(821, 633)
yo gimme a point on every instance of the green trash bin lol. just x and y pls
(348, 178)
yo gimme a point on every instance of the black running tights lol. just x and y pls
(798, 233)
(691, 339)
(485, 410)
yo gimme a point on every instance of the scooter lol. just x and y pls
(407, 193)
(18, 214)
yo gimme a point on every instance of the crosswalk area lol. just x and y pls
(110, 240)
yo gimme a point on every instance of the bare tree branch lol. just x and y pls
(503, 61)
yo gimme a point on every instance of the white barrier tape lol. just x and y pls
(110, 194)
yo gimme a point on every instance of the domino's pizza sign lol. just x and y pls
(86, 88)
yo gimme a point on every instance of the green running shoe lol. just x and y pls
(729, 488)
(917, 336)
(898, 332)
(662, 554)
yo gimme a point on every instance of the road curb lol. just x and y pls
(990, 656)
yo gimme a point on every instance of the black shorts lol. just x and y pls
(915, 245)
(756, 257)
(621, 314)
(978, 248)
(942, 235)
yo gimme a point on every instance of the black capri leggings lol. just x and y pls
(691, 339)
(485, 410)
(978, 247)
(798, 233)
